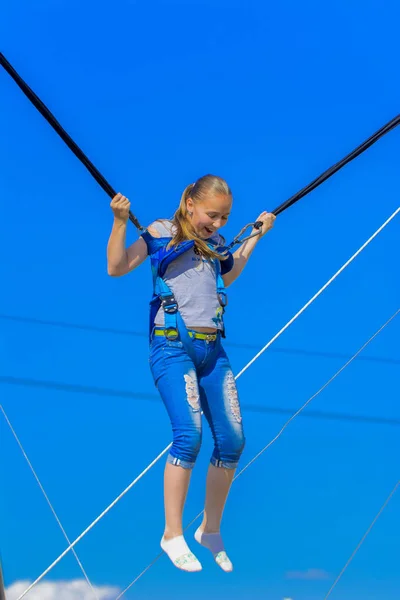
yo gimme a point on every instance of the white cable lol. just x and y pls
(71, 546)
(362, 539)
(237, 376)
(318, 392)
(346, 264)
(272, 441)
(47, 499)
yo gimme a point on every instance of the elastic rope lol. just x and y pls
(169, 445)
(47, 500)
(111, 192)
(50, 118)
(272, 441)
(335, 168)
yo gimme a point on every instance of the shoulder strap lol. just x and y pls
(161, 257)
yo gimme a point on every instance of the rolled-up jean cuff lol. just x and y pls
(185, 464)
(221, 464)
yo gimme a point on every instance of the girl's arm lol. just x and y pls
(242, 254)
(122, 260)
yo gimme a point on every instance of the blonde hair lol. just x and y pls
(197, 192)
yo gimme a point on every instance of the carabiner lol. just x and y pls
(256, 225)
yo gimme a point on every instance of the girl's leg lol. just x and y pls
(220, 403)
(176, 380)
(176, 485)
(219, 481)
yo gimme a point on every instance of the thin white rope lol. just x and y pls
(237, 376)
(346, 264)
(362, 539)
(318, 392)
(47, 499)
(272, 441)
(71, 546)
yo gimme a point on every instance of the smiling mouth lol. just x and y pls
(209, 230)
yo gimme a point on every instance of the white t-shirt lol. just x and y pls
(192, 280)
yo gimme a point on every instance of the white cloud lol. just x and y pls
(309, 575)
(61, 590)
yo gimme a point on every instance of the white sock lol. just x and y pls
(213, 541)
(180, 554)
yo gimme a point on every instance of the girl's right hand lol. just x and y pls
(120, 206)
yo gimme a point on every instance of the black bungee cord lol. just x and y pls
(111, 192)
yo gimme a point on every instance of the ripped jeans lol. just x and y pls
(187, 388)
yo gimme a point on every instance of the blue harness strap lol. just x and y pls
(174, 325)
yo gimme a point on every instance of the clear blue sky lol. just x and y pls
(158, 94)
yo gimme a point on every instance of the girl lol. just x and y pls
(189, 365)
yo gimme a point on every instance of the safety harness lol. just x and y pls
(161, 257)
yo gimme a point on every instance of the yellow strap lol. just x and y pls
(211, 337)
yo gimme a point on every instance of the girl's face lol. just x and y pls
(210, 214)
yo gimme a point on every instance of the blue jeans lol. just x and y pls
(188, 387)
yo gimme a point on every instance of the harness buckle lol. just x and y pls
(222, 299)
(171, 333)
(169, 304)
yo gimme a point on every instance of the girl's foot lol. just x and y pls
(213, 542)
(179, 553)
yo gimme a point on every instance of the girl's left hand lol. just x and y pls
(268, 222)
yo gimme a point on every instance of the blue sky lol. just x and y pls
(157, 94)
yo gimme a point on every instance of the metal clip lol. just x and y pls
(222, 299)
(237, 240)
(171, 334)
(257, 225)
(169, 304)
